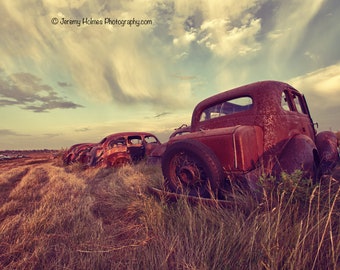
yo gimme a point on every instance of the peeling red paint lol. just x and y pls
(114, 150)
(256, 129)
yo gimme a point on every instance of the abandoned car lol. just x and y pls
(114, 150)
(78, 153)
(259, 129)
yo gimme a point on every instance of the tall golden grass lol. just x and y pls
(55, 217)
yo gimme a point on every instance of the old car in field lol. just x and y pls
(115, 149)
(263, 128)
(78, 153)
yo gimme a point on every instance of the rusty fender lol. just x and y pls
(298, 154)
(326, 143)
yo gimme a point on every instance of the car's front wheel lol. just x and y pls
(190, 167)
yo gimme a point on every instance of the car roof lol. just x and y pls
(266, 91)
(126, 134)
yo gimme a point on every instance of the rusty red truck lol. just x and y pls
(258, 129)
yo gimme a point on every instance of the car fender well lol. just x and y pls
(298, 154)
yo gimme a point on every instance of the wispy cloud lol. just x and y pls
(52, 135)
(8, 132)
(322, 91)
(185, 77)
(82, 129)
(116, 64)
(64, 84)
(289, 28)
(162, 114)
(30, 93)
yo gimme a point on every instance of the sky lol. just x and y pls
(73, 71)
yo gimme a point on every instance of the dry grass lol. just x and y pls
(53, 217)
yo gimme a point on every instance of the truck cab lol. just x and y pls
(256, 129)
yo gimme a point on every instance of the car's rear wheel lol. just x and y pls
(116, 160)
(120, 162)
(192, 168)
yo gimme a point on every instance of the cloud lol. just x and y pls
(238, 41)
(82, 129)
(162, 114)
(225, 28)
(184, 77)
(288, 28)
(29, 92)
(324, 81)
(8, 132)
(64, 84)
(52, 135)
(322, 91)
(118, 64)
(135, 65)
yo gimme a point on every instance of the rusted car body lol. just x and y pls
(115, 150)
(125, 147)
(258, 129)
(78, 153)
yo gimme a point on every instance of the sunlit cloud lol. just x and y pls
(322, 90)
(109, 71)
(324, 81)
(238, 41)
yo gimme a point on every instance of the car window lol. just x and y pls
(285, 101)
(135, 140)
(228, 107)
(150, 139)
(298, 103)
(117, 142)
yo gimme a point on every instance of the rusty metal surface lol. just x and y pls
(327, 145)
(183, 129)
(271, 131)
(114, 150)
(266, 112)
(274, 127)
(78, 153)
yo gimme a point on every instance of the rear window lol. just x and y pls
(228, 107)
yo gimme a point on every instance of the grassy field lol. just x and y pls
(56, 217)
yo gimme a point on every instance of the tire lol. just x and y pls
(190, 167)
